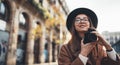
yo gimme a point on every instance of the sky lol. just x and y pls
(107, 11)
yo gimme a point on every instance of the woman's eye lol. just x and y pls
(85, 20)
(77, 20)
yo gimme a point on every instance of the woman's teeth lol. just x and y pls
(82, 26)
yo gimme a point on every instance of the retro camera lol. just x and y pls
(89, 37)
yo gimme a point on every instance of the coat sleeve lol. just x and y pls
(64, 58)
(109, 61)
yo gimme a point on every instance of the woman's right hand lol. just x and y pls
(86, 48)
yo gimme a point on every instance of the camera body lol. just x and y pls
(89, 37)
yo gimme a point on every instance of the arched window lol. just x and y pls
(2, 8)
(23, 21)
(22, 37)
(4, 29)
(4, 15)
(23, 25)
(4, 11)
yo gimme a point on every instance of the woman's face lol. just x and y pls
(81, 23)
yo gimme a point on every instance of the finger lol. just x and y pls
(92, 43)
(90, 47)
(95, 32)
(82, 42)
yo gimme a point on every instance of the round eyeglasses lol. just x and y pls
(78, 20)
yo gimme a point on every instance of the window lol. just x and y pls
(2, 25)
(4, 35)
(4, 13)
(2, 10)
(41, 1)
(22, 37)
(23, 19)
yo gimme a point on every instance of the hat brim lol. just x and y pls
(77, 11)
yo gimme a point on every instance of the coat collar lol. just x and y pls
(76, 51)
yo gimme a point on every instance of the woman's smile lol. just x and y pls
(82, 23)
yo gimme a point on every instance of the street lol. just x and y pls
(53, 63)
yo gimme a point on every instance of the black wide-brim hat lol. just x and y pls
(85, 11)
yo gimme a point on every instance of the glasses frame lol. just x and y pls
(78, 20)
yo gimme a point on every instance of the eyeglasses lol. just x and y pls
(78, 20)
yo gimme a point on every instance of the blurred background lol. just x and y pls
(32, 31)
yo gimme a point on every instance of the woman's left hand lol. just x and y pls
(102, 40)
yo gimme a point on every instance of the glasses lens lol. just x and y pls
(79, 20)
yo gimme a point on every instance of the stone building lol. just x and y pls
(27, 25)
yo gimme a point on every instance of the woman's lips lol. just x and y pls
(82, 26)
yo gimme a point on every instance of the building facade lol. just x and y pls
(114, 39)
(31, 30)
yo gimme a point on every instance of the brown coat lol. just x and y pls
(69, 56)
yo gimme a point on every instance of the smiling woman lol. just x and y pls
(81, 50)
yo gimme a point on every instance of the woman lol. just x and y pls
(77, 52)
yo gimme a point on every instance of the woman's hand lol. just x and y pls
(86, 48)
(102, 40)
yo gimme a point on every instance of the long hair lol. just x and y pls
(76, 39)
